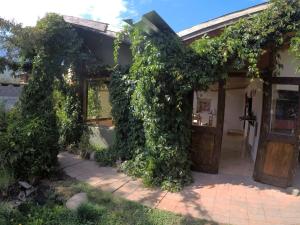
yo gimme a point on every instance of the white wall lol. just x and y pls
(234, 108)
(290, 64)
(256, 88)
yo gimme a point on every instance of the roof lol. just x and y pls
(9, 90)
(151, 22)
(96, 26)
(220, 22)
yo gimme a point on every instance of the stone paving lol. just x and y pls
(227, 199)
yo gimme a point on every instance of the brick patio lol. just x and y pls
(223, 198)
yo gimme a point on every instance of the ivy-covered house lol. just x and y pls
(248, 126)
(94, 81)
(243, 125)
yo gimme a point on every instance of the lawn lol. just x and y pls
(102, 208)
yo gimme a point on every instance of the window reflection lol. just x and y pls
(284, 110)
(205, 108)
(98, 104)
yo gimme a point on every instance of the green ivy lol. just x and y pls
(130, 137)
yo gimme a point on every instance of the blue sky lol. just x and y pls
(182, 14)
(179, 14)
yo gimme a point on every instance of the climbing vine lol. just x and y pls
(49, 114)
(164, 73)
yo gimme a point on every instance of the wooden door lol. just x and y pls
(278, 146)
(207, 140)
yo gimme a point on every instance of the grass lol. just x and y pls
(102, 209)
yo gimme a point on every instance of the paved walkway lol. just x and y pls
(222, 198)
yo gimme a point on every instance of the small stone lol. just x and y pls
(30, 191)
(15, 203)
(293, 191)
(25, 185)
(22, 196)
(76, 200)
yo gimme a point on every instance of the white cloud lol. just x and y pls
(27, 12)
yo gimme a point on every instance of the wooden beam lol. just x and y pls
(285, 80)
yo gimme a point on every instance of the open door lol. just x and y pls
(207, 133)
(278, 147)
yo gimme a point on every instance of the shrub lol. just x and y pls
(9, 215)
(31, 146)
(57, 215)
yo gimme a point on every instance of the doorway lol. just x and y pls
(238, 137)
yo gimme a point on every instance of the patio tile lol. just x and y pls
(222, 198)
(221, 218)
(147, 196)
(238, 221)
(194, 211)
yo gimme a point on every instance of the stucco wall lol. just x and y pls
(102, 135)
(290, 64)
(234, 108)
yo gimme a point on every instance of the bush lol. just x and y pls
(9, 215)
(29, 146)
(57, 215)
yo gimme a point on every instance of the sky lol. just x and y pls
(179, 14)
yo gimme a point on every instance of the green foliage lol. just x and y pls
(295, 47)
(32, 147)
(6, 179)
(68, 112)
(130, 137)
(105, 156)
(47, 215)
(9, 216)
(242, 44)
(90, 212)
(163, 75)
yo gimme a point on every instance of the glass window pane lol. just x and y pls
(284, 109)
(98, 105)
(205, 108)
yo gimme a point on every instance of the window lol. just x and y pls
(98, 103)
(284, 109)
(205, 108)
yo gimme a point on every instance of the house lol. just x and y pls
(241, 126)
(94, 87)
(245, 126)
(11, 88)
